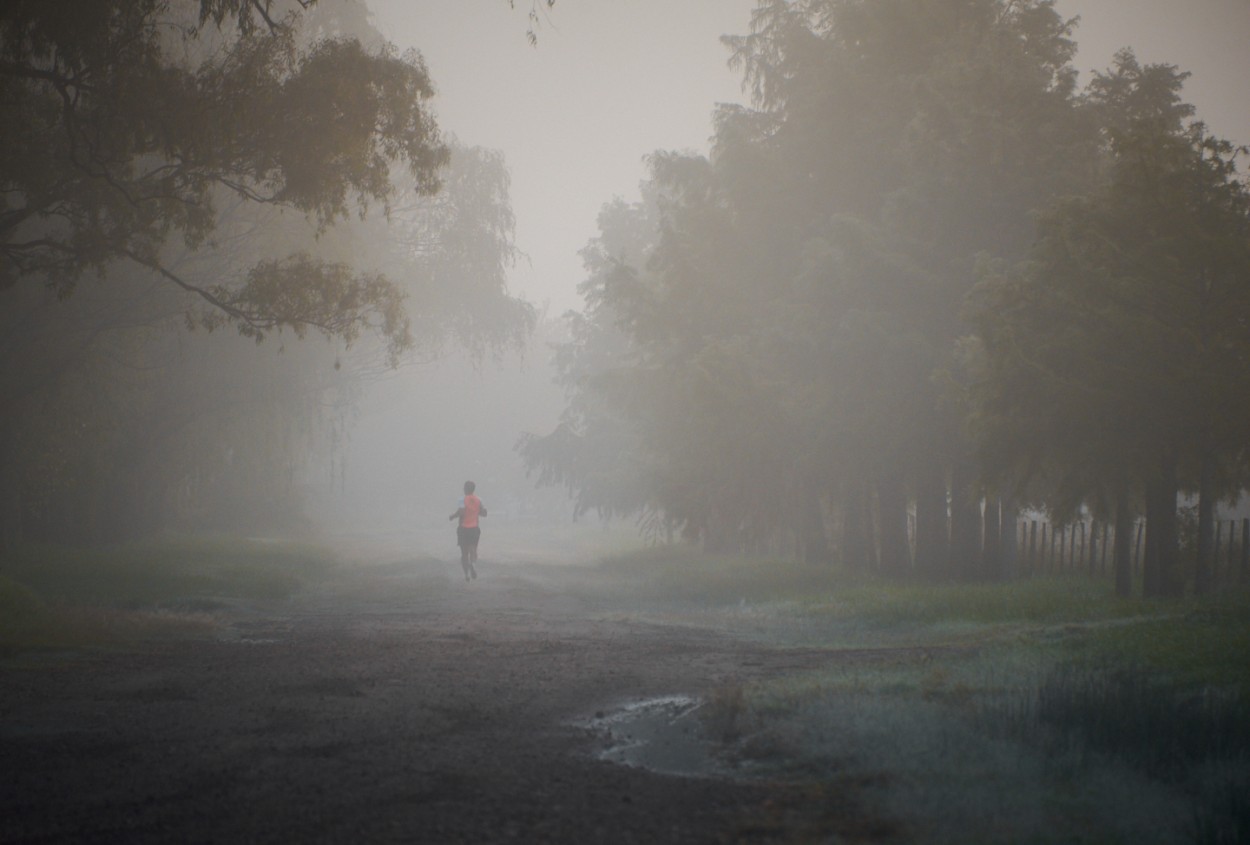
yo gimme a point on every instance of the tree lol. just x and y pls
(793, 332)
(120, 423)
(597, 451)
(154, 151)
(1116, 358)
(127, 122)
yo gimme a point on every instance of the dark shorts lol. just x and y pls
(466, 538)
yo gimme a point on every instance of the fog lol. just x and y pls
(609, 83)
(852, 394)
(555, 112)
(575, 114)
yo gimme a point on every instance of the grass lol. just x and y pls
(53, 596)
(1041, 711)
(681, 575)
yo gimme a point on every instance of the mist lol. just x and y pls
(583, 421)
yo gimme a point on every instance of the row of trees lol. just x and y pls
(926, 276)
(270, 168)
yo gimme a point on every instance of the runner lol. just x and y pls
(467, 531)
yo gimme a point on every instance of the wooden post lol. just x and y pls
(1032, 546)
(1081, 551)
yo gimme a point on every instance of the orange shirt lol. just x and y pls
(471, 508)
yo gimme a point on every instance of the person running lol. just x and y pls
(468, 532)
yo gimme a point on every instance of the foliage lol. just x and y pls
(596, 452)
(790, 331)
(127, 125)
(1131, 712)
(1109, 361)
(114, 421)
(534, 18)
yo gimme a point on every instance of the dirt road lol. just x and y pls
(393, 703)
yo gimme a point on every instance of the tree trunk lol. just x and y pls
(856, 544)
(812, 530)
(992, 547)
(1160, 575)
(1009, 542)
(1122, 560)
(932, 538)
(1204, 563)
(965, 542)
(892, 507)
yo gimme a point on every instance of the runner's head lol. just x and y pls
(469, 487)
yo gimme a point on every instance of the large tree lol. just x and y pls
(154, 188)
(129, 121)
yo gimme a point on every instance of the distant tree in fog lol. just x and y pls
(597, 452)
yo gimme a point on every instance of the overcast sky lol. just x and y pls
(613, 80)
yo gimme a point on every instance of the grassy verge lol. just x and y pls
(1042, 711)
(65, 597)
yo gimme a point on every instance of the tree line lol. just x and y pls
(924, 283)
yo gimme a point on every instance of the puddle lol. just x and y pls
(658, 734)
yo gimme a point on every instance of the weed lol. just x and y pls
(1129, 713)
(722, 713)
(1224, 818)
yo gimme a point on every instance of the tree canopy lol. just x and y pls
(130, 123)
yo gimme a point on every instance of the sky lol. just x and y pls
(611, 81)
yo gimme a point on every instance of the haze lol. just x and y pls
(625, 421)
